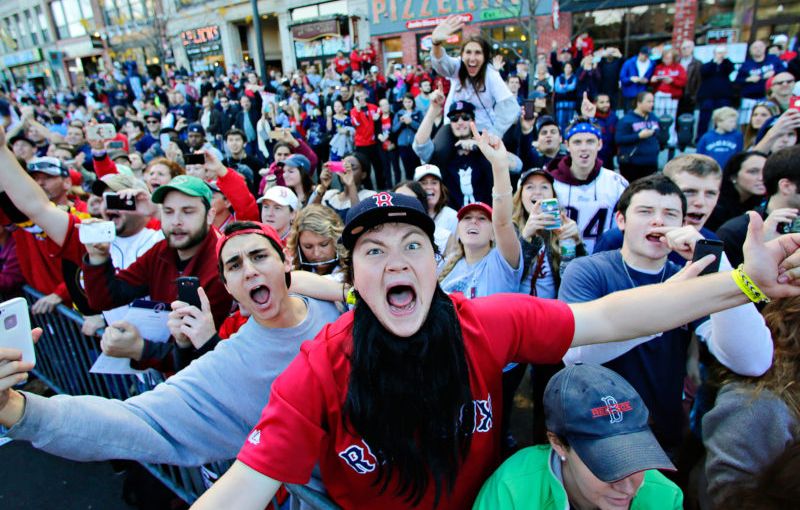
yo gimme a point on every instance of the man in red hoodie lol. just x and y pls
(363, 116)
(669, 80)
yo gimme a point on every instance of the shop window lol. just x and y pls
(649, 25)
(318, 10)
(45, 33)
(71, 17)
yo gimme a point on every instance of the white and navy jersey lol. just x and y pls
(591, 205)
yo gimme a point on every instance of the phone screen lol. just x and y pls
(705, 247)
(528, 111)
(114, 201)
(194, 159)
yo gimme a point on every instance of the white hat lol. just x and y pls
(780, 39)
(281, 195)
(424, 170)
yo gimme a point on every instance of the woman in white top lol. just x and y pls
(473, 80)
(487, 258)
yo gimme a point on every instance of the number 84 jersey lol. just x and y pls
(591, 204)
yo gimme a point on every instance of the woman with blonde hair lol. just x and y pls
(313, 243)
(755, 419)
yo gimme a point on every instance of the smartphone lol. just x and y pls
(528, 111)
(550, 206)
(116, 144)
(336, 167)
(101, 132)
(187, 290)
(163, 140)
(705, 247)
(114, 201)
(194, 159)
(15, 328)
(97, 232)
(794, 103)
(794, 226)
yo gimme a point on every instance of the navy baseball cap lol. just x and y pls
(153, 115)
(385, 207)
(546, 120)
(298, 161)
(604, 420)
(461, 107)
(196, 127)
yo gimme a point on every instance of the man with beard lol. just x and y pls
(203, 413)
(187, 250)
(397, 401)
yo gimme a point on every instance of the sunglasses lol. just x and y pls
(783, 82)
(460, 116)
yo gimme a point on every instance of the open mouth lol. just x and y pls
(473, 231)
(695, 217)
(402, 299)
(654, 238)
(260, 295)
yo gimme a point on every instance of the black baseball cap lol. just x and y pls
(546, 120)
(385, 207)
(535, 171)
(461, 107)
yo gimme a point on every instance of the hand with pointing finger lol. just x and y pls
(190, 325)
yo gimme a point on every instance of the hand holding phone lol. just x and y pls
(15, 328)
(97, 232)
(117, 203)
(529, 113)
(336, 167)
(99, 132)
(705, 247)
(187, 290)
(194, 159)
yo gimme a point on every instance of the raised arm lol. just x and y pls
(505, 236)
(443, 63)
(422, 144)
(29, 197)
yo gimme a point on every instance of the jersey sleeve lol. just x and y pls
(525, 328)
(72, 249)
(285, 444)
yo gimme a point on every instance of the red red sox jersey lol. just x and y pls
(303, 423)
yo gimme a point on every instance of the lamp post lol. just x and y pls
(259, 40)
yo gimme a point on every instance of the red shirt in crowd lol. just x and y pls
(340, 63)
(364, 123)
(355, 60)
(303, 425)
(674, 71)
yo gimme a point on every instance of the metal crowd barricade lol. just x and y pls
(64, 356)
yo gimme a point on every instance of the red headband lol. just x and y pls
(264, 230)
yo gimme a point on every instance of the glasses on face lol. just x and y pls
(153, 121)
(466, 117)
(783, 82)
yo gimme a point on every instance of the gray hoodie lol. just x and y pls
(202, 414)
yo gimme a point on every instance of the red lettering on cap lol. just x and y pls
(622, 407)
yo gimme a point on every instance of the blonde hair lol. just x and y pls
(698, 165)
(320, 220)
(519, 217)
(721, 114)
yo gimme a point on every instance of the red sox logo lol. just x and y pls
(383, 199)
(612, 409)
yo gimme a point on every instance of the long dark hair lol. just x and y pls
(479, 81)
(410, 399)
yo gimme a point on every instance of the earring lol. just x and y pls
(563, 459)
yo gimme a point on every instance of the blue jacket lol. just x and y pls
(628, 140)
(629, 70)
(608, 127)
(405, 132)
(720, 146)
(757, 90)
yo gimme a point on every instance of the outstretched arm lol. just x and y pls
(655, 308)
(29, 197)
(240, 487)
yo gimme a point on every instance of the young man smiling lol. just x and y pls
(651, 215)
(585, 189)
(203, 413)
(351, 400)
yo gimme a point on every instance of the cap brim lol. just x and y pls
(380, 215)
(616, 457)
(473, 207)
(99, 187)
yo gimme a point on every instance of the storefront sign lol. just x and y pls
(200, 36)
(595, 5)
(722, 36)
(22, 57)
(396, 16)
(315, 30)
(426, 43)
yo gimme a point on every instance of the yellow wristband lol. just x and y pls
(747, 286)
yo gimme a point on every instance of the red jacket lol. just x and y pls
(154, 274)
(365, 125)
(674, 71)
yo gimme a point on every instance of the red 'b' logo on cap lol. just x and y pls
(383, 199)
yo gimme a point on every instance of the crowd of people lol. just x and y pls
(382, 254)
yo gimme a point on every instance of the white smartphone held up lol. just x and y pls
(97, 232)
(101, 132)
(15, 328)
